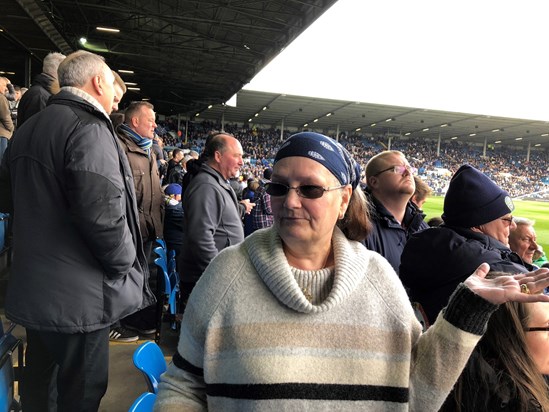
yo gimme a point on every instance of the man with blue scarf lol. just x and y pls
(136, 136)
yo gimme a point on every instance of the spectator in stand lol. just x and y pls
(158, 150)
(116, 117)
(505, 372)
(301, 317)
(174, 171)
(251, 193)
(135, 137)
(6, 124)
(522, 239)
(43, 86)
(78, 260)
(395, 218)
(14, 104)
(477, 221)
(262, 213)
(422, 192)
(173, 218)
(213, 215)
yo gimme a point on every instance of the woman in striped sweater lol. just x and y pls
(302, 317)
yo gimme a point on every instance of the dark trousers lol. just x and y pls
(81, 361)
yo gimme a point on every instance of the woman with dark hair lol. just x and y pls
(301, 316)
(505, 372)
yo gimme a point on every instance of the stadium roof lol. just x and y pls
(187, 55)
(358, 117)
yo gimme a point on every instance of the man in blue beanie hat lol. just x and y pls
(477, 221)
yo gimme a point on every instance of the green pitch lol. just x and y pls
(538, 211)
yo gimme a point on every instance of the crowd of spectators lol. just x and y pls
(507, 166)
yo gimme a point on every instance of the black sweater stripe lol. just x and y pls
(182, 363)
(310, 391)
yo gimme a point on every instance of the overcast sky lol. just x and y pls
(484, 56)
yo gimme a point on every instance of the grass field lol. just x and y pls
(538, 211)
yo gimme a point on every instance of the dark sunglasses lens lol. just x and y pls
(311, 191)
(276, 189)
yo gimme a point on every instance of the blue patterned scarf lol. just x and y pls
(143, 142)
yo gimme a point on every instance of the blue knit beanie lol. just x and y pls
(473, 199)
(173, 189)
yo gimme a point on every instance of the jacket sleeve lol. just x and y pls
(97, 199)
(203, 210)
(5, 117)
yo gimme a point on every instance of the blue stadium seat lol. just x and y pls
(149, 359)
(8, 344)
(144, 403)
(171, 288)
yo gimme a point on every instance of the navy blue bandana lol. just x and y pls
(325, 151)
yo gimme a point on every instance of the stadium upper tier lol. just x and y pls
(506, 165)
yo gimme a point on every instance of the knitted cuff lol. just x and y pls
(468, 311)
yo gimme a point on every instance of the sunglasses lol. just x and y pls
(305, 191)
(544, 329)
(399, 170)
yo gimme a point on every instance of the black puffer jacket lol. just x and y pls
(78, 261)
(436, 260)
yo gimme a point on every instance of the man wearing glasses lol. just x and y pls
(477, 221)
(395, 218)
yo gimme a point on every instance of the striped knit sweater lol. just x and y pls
(251, 341)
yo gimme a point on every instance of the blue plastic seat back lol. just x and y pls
(8, 344)
(161, 263)
(149, 359)
(144, 403)
(161, 243)
(161, 253)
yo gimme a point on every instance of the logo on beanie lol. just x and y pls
(509, 203)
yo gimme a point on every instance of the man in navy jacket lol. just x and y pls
(394, 217)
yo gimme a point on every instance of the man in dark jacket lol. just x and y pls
(395, 218)
(78, 261)
(43, 86)
(174, 171)
(213, 215)
(136, 135)
(477, 220)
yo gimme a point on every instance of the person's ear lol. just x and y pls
(134, 121)
(346, 194)
(217, 156)
(372, 182)
(97, 84)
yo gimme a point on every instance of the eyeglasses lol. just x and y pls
(399, 170)
(509, 220)
(305, 191)
(544, 329)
